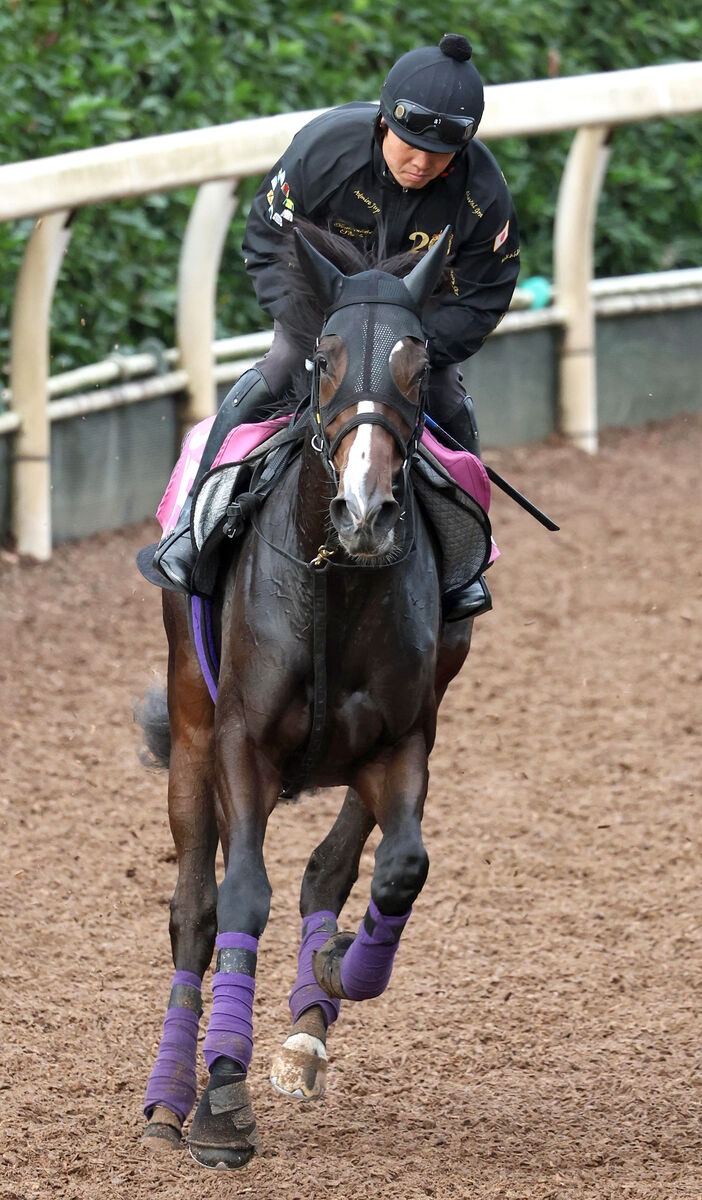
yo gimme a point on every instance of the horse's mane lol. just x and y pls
(303, 318)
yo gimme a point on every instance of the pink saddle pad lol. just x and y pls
(237, 444)
(465, 468)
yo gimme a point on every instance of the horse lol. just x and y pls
(339, 556)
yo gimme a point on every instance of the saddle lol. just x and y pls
(459, 525)
(232, 493)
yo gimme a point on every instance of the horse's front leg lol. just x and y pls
(223, 1132)
(172, 1086)
(394, 788)
(300, 1067)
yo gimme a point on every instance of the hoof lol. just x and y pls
(223, 1134)
(326, 964)
(162, 1134)
(220, 1158)
(300, 1067)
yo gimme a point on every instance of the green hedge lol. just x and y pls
(77, 74)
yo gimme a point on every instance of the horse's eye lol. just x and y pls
(322, 363)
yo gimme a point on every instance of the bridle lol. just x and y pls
(372, 326)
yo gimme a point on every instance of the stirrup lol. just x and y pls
(470, 601)
(175, 554)
(174, 560)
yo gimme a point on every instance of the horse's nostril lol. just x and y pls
(384, 518)
(340, 515)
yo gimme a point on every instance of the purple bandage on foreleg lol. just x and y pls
(306, 991)
(173, 1082)
(367, 965)
(230, 1031)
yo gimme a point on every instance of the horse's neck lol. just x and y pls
(314, 495)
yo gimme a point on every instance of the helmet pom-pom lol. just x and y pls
(455, 45)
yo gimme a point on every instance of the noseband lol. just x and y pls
(380, 315)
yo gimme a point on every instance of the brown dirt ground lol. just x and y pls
(541, 1034)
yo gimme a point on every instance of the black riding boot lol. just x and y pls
(474, 598)
(246, 402)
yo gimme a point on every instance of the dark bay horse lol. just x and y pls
(337, 581)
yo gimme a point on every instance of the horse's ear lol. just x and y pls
(322, 275)
(423, 278)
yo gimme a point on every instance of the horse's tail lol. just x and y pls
(152, 714)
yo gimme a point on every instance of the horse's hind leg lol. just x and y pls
(172, 1086)
(394, 788)
(299, 1068)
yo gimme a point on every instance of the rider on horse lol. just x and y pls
(408, 170)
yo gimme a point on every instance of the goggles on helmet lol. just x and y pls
(415, 118)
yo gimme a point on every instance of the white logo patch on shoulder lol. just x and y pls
(501, 238)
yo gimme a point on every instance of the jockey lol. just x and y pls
(411, 168)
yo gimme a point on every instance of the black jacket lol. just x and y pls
(333, 173)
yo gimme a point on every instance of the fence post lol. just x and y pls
(573, 272)
(29, 373)
(198, 271)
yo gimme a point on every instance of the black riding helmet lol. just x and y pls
(433, 97)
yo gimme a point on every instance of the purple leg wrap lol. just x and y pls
(230, 1031)
(367, 965)
(173, 1082)
(306, 991)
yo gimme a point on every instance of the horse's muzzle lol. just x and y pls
(370, 533)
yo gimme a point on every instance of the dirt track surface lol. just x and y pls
(541, 1033)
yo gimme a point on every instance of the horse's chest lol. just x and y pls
(380, 663)
(364, 717)
(377, 700)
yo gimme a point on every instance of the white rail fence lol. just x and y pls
(53, 188)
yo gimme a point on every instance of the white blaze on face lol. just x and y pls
(357, 467)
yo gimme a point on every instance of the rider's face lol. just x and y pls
(412, 168)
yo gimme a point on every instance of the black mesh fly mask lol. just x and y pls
(371, 314)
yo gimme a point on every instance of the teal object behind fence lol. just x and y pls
(540, 290)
